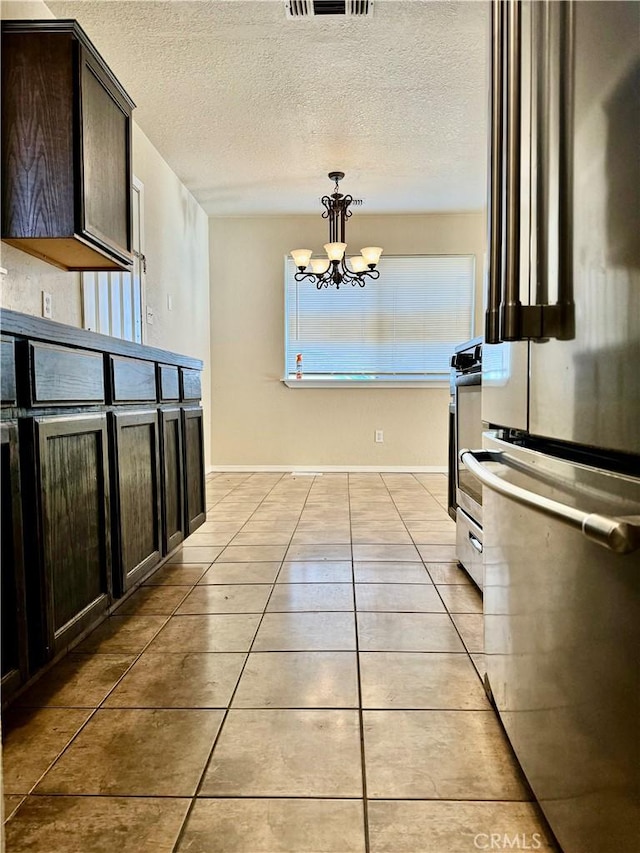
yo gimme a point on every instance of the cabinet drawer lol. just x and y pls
(133, 380)
(191, 387)
(169, 382)
(62, 375)
(7, 371)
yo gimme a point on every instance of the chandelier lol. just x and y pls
(333, 269)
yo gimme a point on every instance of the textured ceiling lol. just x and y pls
(252, 109)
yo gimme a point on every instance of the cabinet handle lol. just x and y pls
(621, 535)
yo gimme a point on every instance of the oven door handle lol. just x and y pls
(621, 535)
(475, 542)
(468, 380)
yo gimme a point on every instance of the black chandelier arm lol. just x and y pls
(326, 278)
(327, 201)
(301, 275)
(338, 271)
(336, 274)
(346, 201)
(358, 277)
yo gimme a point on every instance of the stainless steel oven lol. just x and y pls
(466, 385)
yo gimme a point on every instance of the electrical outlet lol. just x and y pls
(379, 436)
(47, 305)
(149, 316)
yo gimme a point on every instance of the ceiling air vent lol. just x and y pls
(311, 8)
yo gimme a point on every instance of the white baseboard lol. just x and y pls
(331, 469)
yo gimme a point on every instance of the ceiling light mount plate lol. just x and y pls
(336, 176)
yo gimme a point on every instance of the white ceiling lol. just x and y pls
(252, 109)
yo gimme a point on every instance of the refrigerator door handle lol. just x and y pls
(495, 189)
(621, 535)
(553, 76)
(511, 307)
(550, 36)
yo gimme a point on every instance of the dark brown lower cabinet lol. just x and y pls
(173, 516)
(193, 431)
(14, 628)
(102, 475)
(136, 467)
(72, 488)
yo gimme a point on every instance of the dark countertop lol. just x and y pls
(39, 329)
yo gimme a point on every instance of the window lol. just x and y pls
(401, 328)
(112, 301)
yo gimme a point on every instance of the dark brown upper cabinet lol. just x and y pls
(66, 149)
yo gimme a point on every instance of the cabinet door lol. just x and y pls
(194, 467)
(7, 372)
(14, 631)
(72, 485)
(66, 149)
(172, 470)
(137, 474)
(106, 160)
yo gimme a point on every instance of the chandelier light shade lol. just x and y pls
(334, 270)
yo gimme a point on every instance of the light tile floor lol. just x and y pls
(304, 676)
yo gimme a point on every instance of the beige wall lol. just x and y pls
(176, 246)
(257, 420)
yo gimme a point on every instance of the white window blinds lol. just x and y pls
(405, 324)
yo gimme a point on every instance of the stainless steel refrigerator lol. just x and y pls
(560, 464)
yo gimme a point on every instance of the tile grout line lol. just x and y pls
(98, 707)
(364, 799)
(192, 587)
(365, 802)
(194, 798)
(445, 508)
(447, 611)
(330, 797)
(457, 630)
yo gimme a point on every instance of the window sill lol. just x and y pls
(363, 382)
